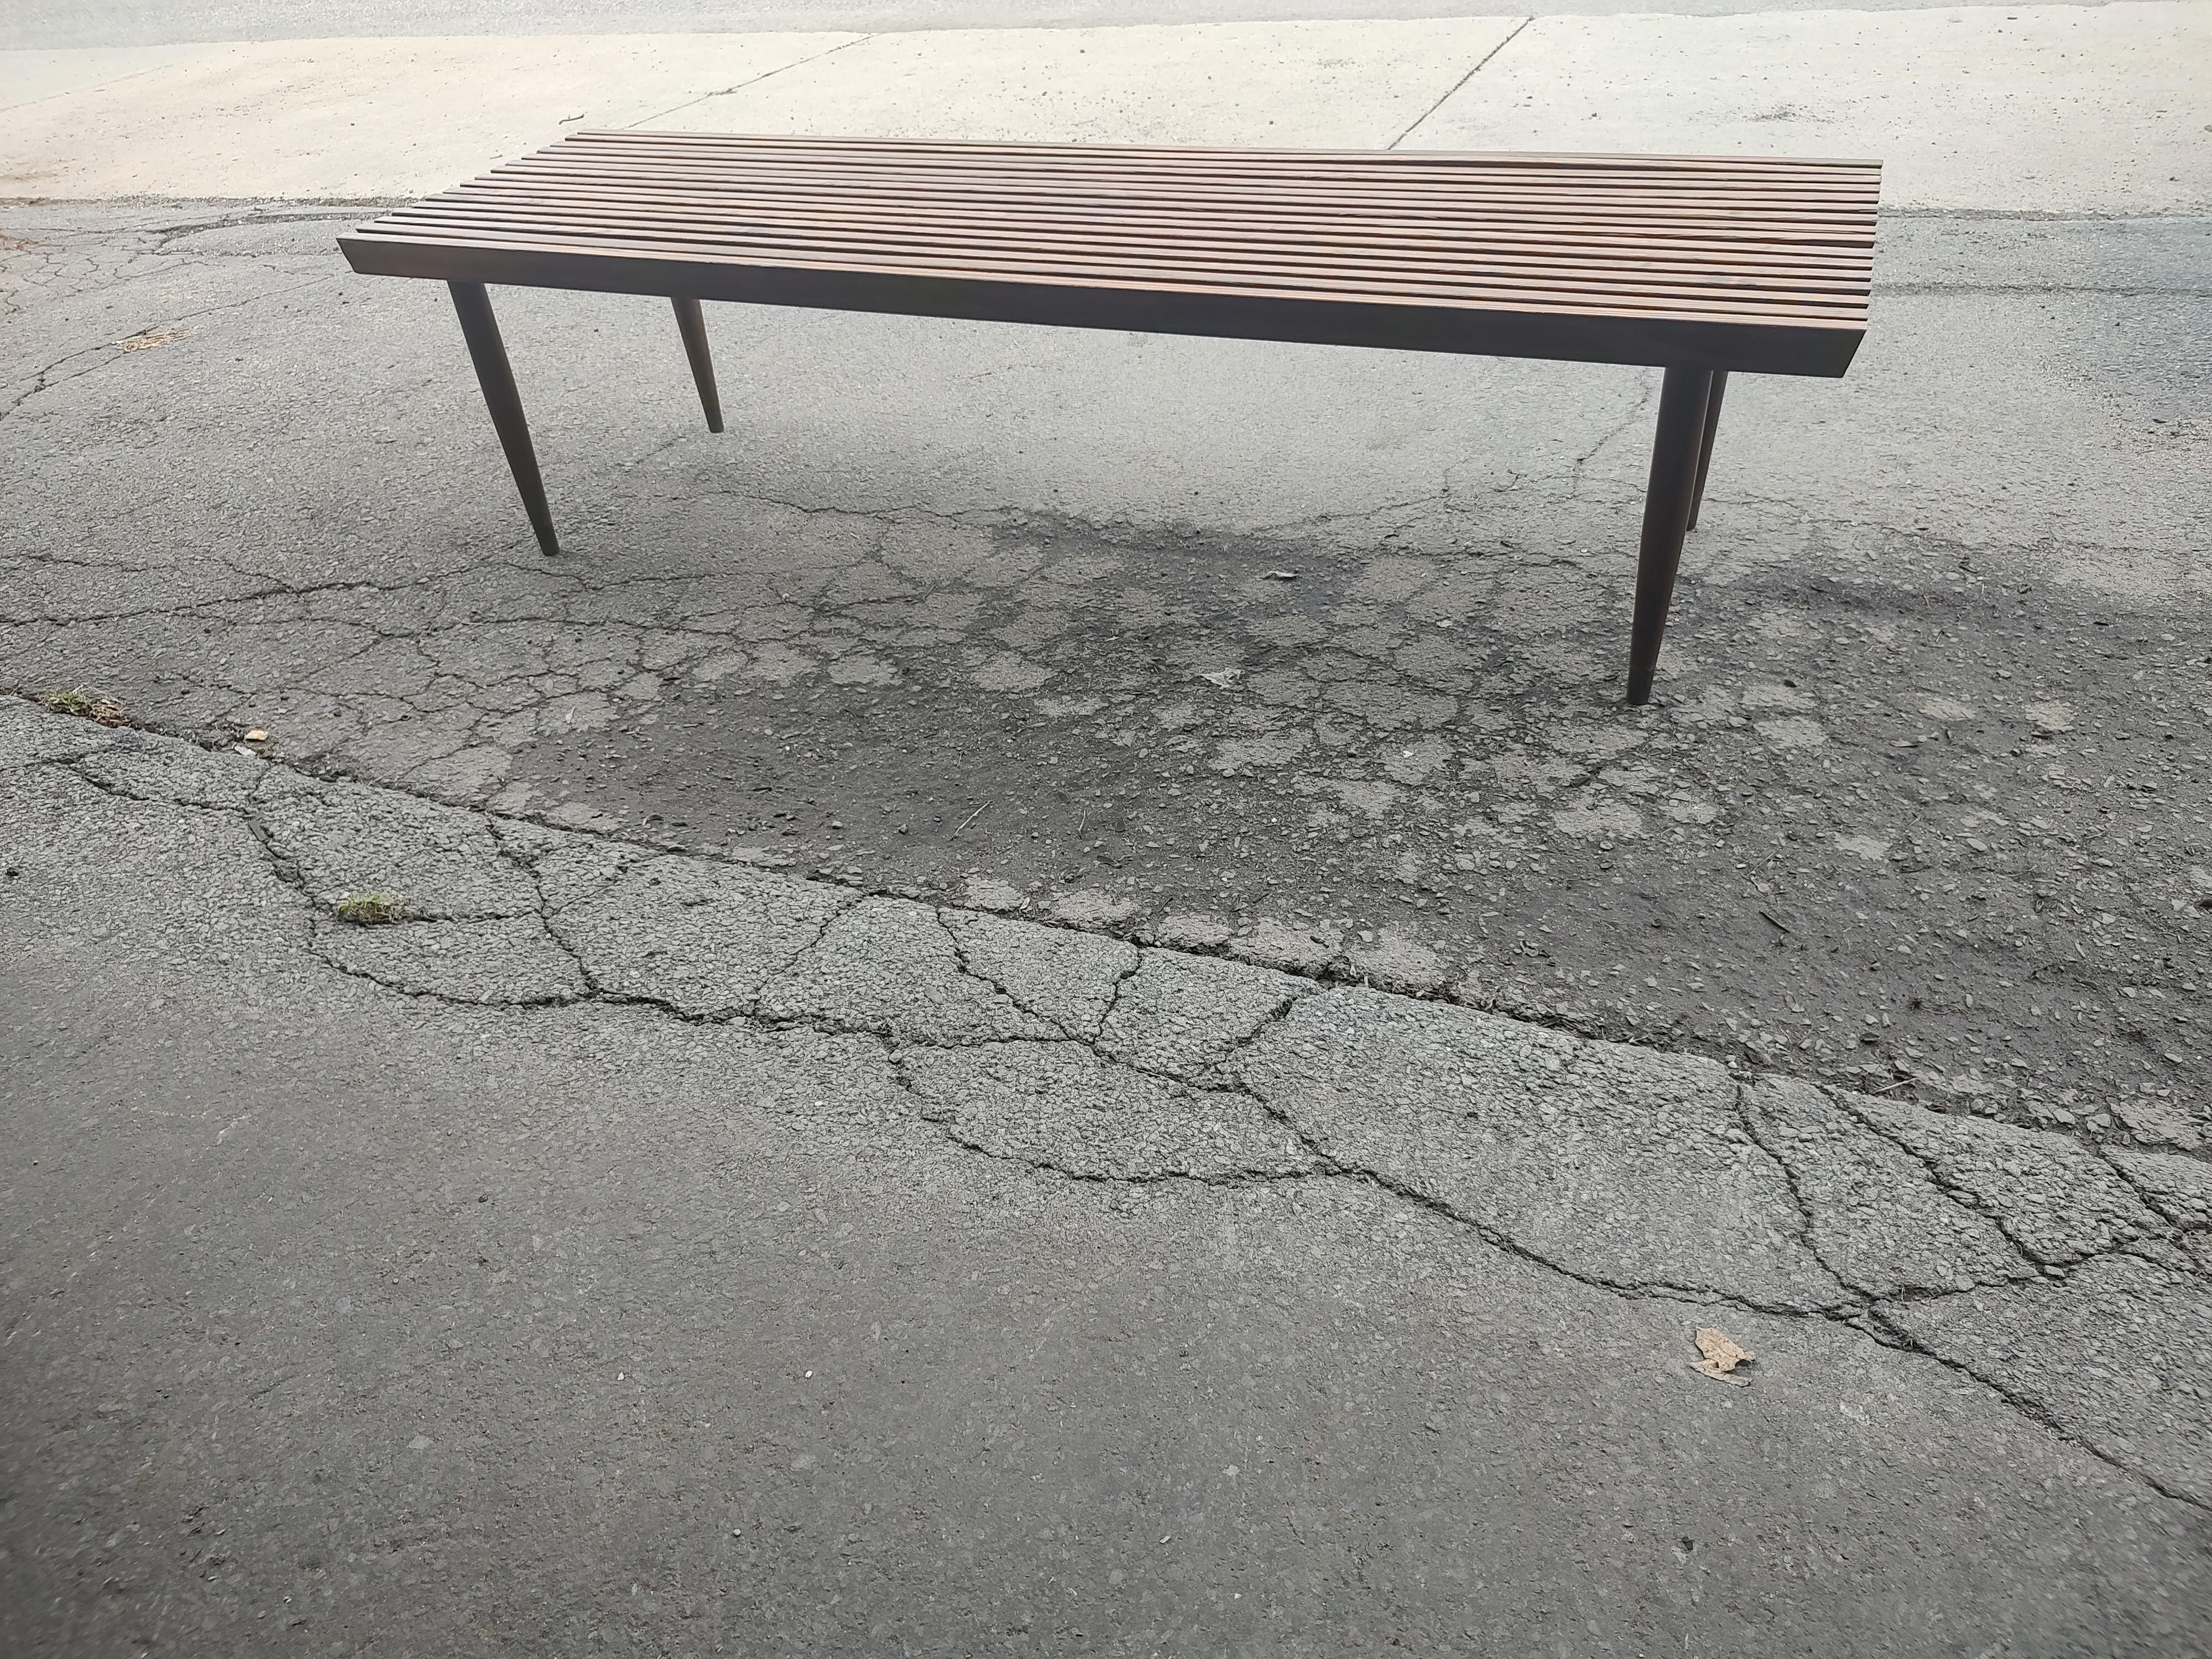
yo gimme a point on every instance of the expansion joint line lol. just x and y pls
(1461, 81)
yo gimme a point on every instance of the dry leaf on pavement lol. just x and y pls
(147, 339)
(1722, 1354)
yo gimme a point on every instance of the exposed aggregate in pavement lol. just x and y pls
(2071, 1282)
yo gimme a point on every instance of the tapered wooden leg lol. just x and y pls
(1674, 455)
(1705, 449)
(692, 326)
(486, 350)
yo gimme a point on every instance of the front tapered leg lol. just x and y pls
(693, 327)
(1705, 449)
(1674, 455)
(489, 353)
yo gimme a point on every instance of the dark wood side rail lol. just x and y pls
(1702, 265)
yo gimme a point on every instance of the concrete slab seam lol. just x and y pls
(857, 40)
(1455, 87)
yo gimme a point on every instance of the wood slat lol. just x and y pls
(1429, 254)
(1551, 300)
(1402, 239)
(1768, 259)
(1376, 227)
(1283, 203)
(1412, 237)
(1741, 201)
(1077, 154)
(1732, 220)
(987, 255)
(1382, 169)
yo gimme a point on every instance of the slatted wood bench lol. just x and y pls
(1702, 267)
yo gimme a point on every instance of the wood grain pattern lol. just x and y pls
(1722, 263)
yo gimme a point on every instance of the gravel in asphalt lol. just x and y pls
(783, 1265)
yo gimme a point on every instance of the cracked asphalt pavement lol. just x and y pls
(1308, 658)
(643, 1249)
(1043, 1001)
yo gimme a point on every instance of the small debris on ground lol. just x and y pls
(368, 910)
(148, 338)
(257, 736)
(87, 705)
(1722, 1354)
(1282, 575)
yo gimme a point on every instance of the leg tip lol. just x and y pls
(1639, 689)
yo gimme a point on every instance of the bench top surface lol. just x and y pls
(1720, 262)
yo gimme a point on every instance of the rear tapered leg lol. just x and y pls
(1705, 449)
(489, 353)
(1675, 453)
(692, 326)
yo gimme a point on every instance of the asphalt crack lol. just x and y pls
(1871, 1315)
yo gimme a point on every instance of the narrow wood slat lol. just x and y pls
(1428, 171)
(554, 199)
(1415, 250)
(1388, 228)
(1500, 290)
(988, 249)
(1609, 299)
(1626, 222)
(1436, 182)
(1560, 159)
(1801, 326)
(1355, 194)
(1734, 220)
(1838, 186)
(1733, 203)
(1358, 194)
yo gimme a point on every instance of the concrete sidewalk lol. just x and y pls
(2051, 109)
(650, 1249)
